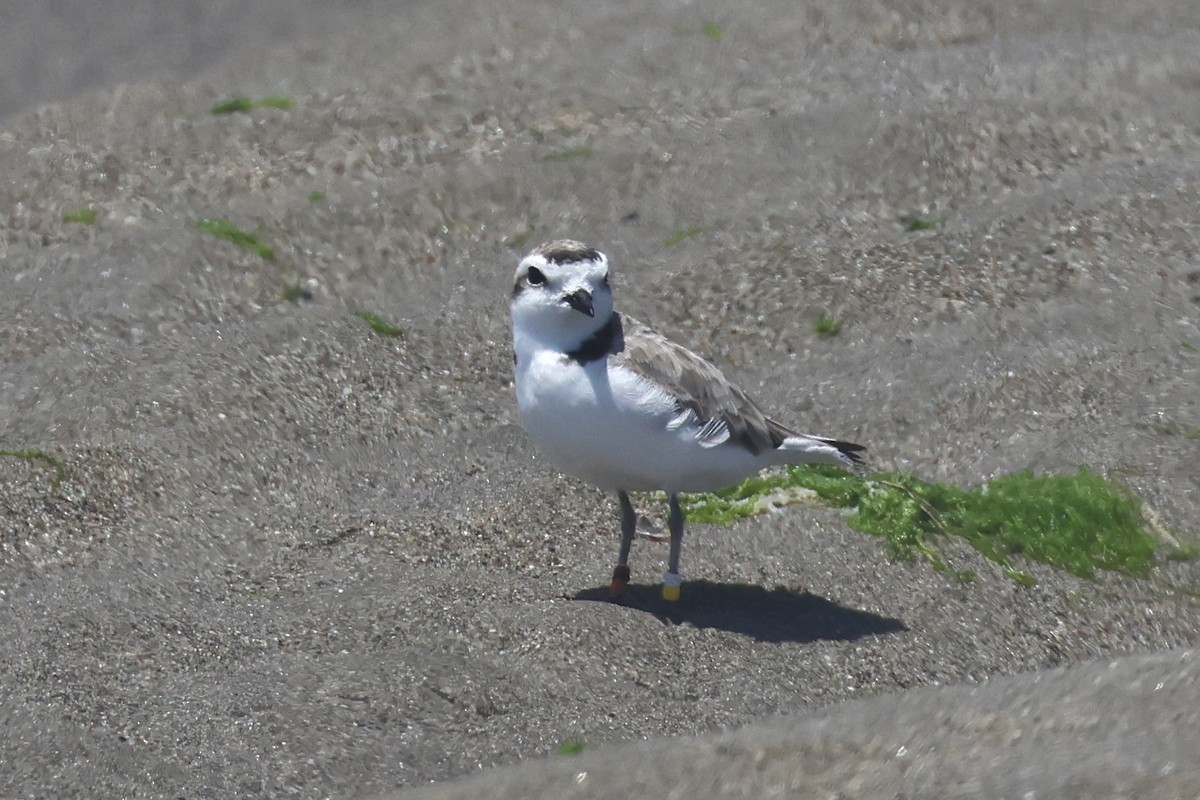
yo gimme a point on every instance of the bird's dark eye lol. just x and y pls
(535, 277)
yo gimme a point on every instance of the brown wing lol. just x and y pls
(721, 409)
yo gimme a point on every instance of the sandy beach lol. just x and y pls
(265, 550)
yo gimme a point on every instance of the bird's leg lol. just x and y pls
(620, 578)
(673, 579)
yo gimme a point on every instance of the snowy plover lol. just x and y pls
(625, 409)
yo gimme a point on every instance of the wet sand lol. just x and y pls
(289, 555)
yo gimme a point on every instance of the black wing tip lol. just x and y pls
(849, 449)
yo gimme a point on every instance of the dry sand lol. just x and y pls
(290, 556)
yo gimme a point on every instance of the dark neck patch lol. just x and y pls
(607, 341)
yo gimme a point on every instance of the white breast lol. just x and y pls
(614, 429)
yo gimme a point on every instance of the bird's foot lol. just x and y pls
(620, 581)
(671, 583)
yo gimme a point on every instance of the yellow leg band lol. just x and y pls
(671, 583)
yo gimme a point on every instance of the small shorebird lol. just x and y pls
(625, 409)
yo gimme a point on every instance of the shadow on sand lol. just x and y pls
(775, 615)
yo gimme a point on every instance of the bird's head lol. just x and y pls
(561, 294)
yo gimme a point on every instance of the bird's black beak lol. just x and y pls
(581, 301)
